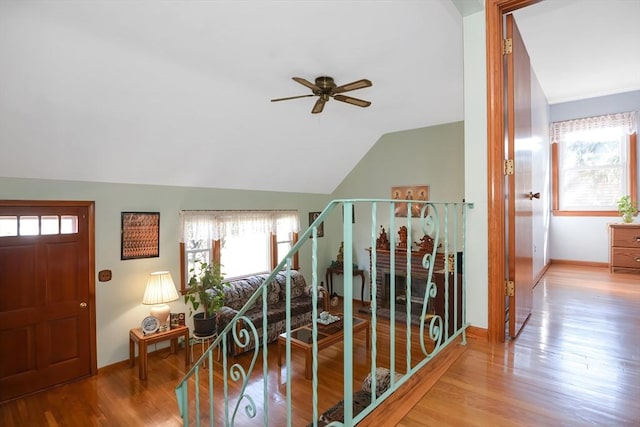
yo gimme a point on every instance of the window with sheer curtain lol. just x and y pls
(594, 163)
(243, 242)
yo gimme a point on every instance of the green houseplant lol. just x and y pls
(627, 208)
(206, 291)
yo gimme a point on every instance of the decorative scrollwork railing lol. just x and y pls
(434, 317)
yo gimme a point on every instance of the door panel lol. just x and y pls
(520, 220)
(44, 279)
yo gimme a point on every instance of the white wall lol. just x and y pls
(118, 302)
(475, 167)
(587, 238)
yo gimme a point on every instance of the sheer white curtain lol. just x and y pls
(593, 128)
(212, 225)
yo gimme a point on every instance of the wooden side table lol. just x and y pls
(339, 270)
(143, 341)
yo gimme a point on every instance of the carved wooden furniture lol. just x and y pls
(340, 271)
(624, 248)
(418, 285)
(143, 341)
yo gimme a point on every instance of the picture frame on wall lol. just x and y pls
(413, 192)
(312, 217)
(139, 235)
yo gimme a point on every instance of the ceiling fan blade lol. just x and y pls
(358, 84)
(292, 97)
(350, 100)
(307, 83)
(318, 106)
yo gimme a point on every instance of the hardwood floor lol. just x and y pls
(577, 362)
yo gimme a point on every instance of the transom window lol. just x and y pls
(243, 242)
(34, 225)
(594, 164)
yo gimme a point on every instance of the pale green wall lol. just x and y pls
(118, 302)
(433, 156)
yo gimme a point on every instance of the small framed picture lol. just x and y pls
(176, 320)
(312, 217)
(140, 235)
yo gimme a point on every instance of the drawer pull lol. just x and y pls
(638, 239)
(638, 259)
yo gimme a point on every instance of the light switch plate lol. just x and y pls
(104, 275)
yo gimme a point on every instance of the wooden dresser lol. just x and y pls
(625, 248)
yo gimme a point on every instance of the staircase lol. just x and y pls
(421, 285)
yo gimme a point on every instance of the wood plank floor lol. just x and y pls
(577, 362)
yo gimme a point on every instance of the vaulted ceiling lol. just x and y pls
(178, 93)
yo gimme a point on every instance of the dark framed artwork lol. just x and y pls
(312, 217)
(140, 235)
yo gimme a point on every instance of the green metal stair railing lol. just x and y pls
(436, 219)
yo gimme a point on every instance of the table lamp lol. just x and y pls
(160, 290)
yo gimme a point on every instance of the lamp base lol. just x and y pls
(161, 312)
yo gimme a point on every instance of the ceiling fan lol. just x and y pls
(325, 88)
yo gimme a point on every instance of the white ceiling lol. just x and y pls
(583, 48)
(177, 92)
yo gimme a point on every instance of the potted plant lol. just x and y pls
(206, 291)
(627, 208)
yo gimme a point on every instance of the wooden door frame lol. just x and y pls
(90, 206)
(496, 239)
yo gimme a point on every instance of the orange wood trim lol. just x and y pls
(555, 199)
(585, 213)
(183, 268)
(216, 251)
(398, 405)
(633, 166)
(273, 243)
(477, 333)
(296, 257)
(494, 9)
(580, 263)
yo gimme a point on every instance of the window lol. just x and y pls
(243, 242)
(34, 225)
(594, 163)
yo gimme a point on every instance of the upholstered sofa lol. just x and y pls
(238, 292)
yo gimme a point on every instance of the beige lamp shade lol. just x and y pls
(160, 290)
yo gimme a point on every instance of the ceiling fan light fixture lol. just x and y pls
(325, 88)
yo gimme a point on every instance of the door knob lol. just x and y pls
(83, 305)
(533, 196)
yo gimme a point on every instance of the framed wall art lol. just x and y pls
(414, 192)
(312, 217)
(140, 235)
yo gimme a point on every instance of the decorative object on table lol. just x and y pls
(327, 318)
(206, 291)
(176, 320)
(139, 235)
(340, 256)
(312, 217)
(382, 242)
(149, 325)
(402, 238)
(415, 192)
(627, 208)
(159, 291)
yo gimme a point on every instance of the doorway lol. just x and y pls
(47, 295)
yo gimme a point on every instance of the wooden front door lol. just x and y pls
(47, 310)
(519, 184)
